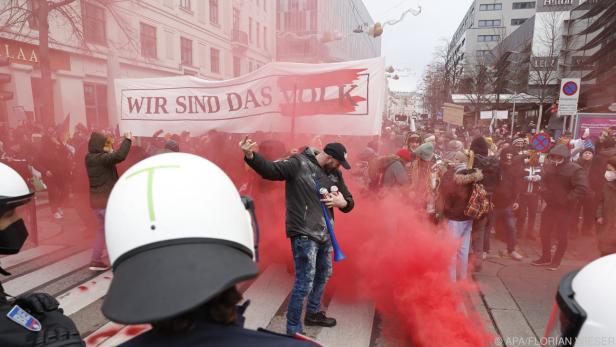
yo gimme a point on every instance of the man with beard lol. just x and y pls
(564, 184)
(305, 174)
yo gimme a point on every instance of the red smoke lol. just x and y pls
(396, 259)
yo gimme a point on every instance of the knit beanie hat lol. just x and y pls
(425, 151)
(404, 154)
(430, 138)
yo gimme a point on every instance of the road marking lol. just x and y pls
(102, 334)
(46, 274)
(85, 294)
(354, 326)
(127, 333)
(27, 255)
(266, 294)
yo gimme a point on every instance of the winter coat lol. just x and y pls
(395, 175)
(606, 232)
(490, 169)
(101, 167)
(304, 214)
(506, 193)
(456, 189)
(563, 185)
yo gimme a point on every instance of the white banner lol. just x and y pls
(337, 99)
(504, 114)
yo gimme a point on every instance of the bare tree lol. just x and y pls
(476, 84)
(441, 77)
(544, 74)
(30, 20)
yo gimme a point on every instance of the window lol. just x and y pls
(491, 7)
(523, 5)
(148, 41)
(185, 4)
(489, 23)
(95, 96)
(94, 24)
(215, 60)
(518, 21)
(250, 29)
(214, 12)
(482, 53)
(186, 51)
(236, 19)
(488, 38)
(237, 66)
(265, 37)
(258, 34)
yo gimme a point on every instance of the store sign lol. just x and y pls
(24, 53)
(556, 5)
(594, 122)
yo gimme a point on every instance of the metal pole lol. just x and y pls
(515, 97)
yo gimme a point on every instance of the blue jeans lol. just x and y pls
(460, 230)
(505, 219)
(313, 267)
(99, 239)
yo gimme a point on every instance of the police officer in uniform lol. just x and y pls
(180, 238)
(33, 319)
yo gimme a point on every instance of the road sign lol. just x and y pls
(569, 96)
(541, 142)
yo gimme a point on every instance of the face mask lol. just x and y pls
(610, 176)
(13, 237)
(557, 162)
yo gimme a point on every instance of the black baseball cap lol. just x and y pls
(337, 151)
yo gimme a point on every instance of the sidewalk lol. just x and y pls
(516, 297)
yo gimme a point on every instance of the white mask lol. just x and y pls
(610, 176)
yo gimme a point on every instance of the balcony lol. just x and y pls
(239, 40)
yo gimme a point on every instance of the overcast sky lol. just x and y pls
(411, 43)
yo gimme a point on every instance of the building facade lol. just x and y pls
(316, 31)
(211, 39)
(485, 25)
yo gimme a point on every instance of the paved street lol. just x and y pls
(514, 300)
(516, 297)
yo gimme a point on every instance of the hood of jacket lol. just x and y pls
(561, 150)
(96, 143)
(466, 176)
(479, 145)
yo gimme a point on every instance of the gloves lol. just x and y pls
(58, 331)
(37, 302)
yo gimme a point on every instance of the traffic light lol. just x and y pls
(5, 78)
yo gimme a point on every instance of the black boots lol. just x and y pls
(319, 319)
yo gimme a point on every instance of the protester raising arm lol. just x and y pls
(281, 170)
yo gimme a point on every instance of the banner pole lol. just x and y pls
(293, 112)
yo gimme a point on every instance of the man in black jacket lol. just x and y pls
(304, 174)
(101, 163)
(564, 184)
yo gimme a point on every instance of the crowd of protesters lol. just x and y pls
(481, 184)
(476, 183)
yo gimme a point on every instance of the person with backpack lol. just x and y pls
(457, 188)
(395, 173)
(490, 168)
